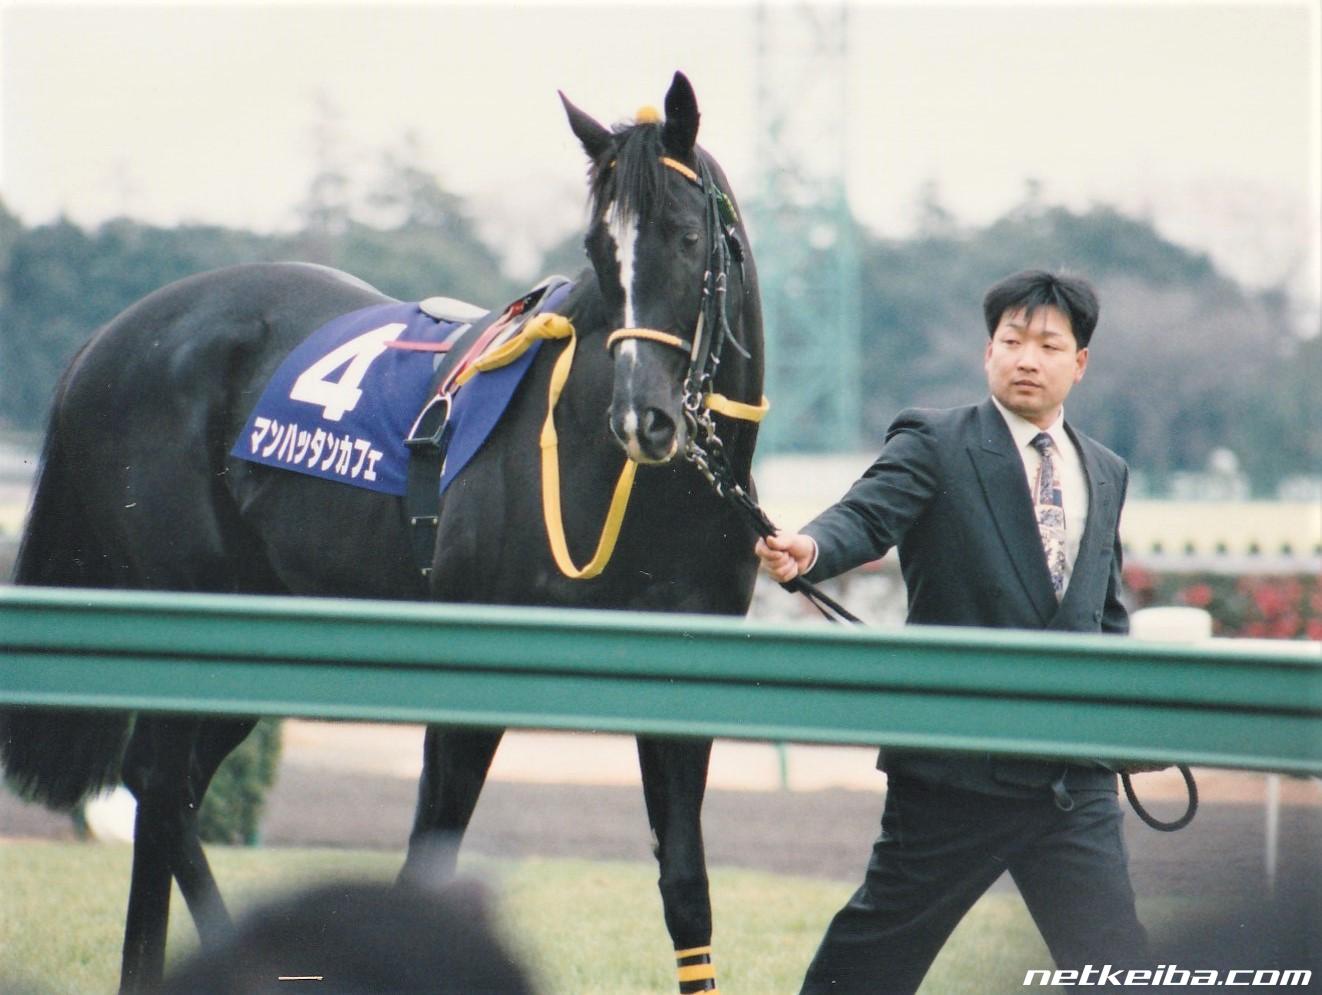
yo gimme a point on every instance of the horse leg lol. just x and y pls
(159, 751)
(674, 782)
(454, 769)
(163, 769)
(216, 739)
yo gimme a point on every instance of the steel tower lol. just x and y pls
(807, 248)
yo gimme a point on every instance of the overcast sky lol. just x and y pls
(1203, 117)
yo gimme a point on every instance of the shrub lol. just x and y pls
(232, 809)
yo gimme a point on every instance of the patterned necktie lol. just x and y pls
(1049, 507)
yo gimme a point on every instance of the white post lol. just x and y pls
(1192, 625)
(1272, 829)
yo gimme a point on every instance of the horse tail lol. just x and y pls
(53, 756)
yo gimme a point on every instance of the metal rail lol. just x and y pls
(1047, 694)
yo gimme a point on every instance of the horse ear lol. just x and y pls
(681, 128)
(595, 138)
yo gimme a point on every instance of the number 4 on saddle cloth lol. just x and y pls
(343, 403)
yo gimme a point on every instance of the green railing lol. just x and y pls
(971, 689)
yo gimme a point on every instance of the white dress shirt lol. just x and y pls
(1069, 468)
(1073, 481)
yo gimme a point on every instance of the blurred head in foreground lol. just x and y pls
(360, 938)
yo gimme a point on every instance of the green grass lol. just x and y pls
(583, 926)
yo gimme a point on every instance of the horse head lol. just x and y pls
(667, 249)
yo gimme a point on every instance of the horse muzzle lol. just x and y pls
(646, 414)
(648, 435)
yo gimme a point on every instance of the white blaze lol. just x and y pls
(626, 353)
(626, 240)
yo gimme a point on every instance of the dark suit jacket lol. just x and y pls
(949, 490)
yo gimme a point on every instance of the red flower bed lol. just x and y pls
(1257, 607)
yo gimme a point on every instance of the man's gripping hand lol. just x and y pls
(785, 555)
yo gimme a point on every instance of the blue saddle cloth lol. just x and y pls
(342, 402)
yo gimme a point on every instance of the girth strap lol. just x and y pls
(427, 442)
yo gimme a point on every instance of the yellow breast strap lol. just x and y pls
(551, 509)
(556, 326)
(540, 326)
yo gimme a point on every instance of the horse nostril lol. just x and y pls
(656, 432)
(648, 436)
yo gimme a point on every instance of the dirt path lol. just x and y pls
(354, 786)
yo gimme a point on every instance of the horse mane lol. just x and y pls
(631, 175)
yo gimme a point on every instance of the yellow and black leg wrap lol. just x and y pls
(696, 971)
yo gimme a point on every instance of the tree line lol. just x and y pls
(1185, 360)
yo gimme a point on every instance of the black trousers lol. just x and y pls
(940, 848)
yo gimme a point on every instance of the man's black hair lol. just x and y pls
(1073, 296)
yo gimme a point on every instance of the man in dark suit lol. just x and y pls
(1005, 515)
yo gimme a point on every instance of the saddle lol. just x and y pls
(447, 434)
(344, 404)
(451, 309)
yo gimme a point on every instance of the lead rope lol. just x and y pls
(709, 457)
(700, 400)
(1165, 827)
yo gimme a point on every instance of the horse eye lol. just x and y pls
(691, 239)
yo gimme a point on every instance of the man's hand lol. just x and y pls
(785, 555)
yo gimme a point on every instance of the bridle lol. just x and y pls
(704, 448)
(711, 332)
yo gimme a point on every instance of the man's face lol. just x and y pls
(1032, 364)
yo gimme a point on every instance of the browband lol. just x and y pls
(681, 169)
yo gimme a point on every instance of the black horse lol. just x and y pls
(139, 489)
